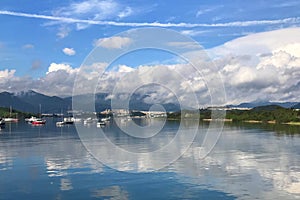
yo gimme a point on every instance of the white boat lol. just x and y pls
(89, 120)
(77, 119)
(31, 119)
(10, 119)
(60, 123)
(2, 122)
(101, 124)
(68, 120)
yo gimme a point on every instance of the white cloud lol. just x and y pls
(69, 51)
(127, 12)
(262, 66)
(259, 43)
(70, 20)
(293, 49)
(250, 68)
(116, 42)
(94, 9)
(54, 67)
(193, 32)
(184, 45)
(6, 75)
(124, 68)
(207, 10)
(63, 31)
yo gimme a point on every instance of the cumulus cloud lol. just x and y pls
(259, 43)
(54, 67)
(6, 75)
(58, 80)
(124, 68)
(116, 42)
(69, 51)
(264, 66)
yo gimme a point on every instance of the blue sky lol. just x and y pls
(35, 34)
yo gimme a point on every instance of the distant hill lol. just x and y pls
(30, 101)
(264, 103)
(8, 99)
(136, 102)
(267, 113)
(296, 106)
(49, 104)
(267, 108)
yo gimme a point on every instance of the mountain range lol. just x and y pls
(34, 102)
(254, 104)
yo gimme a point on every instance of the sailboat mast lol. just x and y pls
(40, 110)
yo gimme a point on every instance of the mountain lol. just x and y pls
(136, 102)
(31, 101)
(296, 106)
(263, 103)
(268, 108)
(49, 104)
(8, 99)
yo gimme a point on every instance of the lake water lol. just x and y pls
(250, 161)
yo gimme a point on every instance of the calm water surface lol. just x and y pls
(249, 162)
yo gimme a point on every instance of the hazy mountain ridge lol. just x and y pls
(31, 101)
(264, 103)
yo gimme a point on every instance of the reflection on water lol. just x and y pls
(250, 161)
(65, 184)
(112, 192)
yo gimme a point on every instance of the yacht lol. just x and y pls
(38, 121)
(10, 119)
(69, 120)
(31, 119)
(2, 122)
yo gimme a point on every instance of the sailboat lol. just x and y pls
(2, 122)
(10, 118)
(39, 121)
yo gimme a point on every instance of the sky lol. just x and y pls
(254, 44)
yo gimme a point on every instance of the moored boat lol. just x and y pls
(38, 122)
(60, 123)
(2, 122)
(101, 124)
(89, 121)
(68, 120)
(31, 119)
(10, 119)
